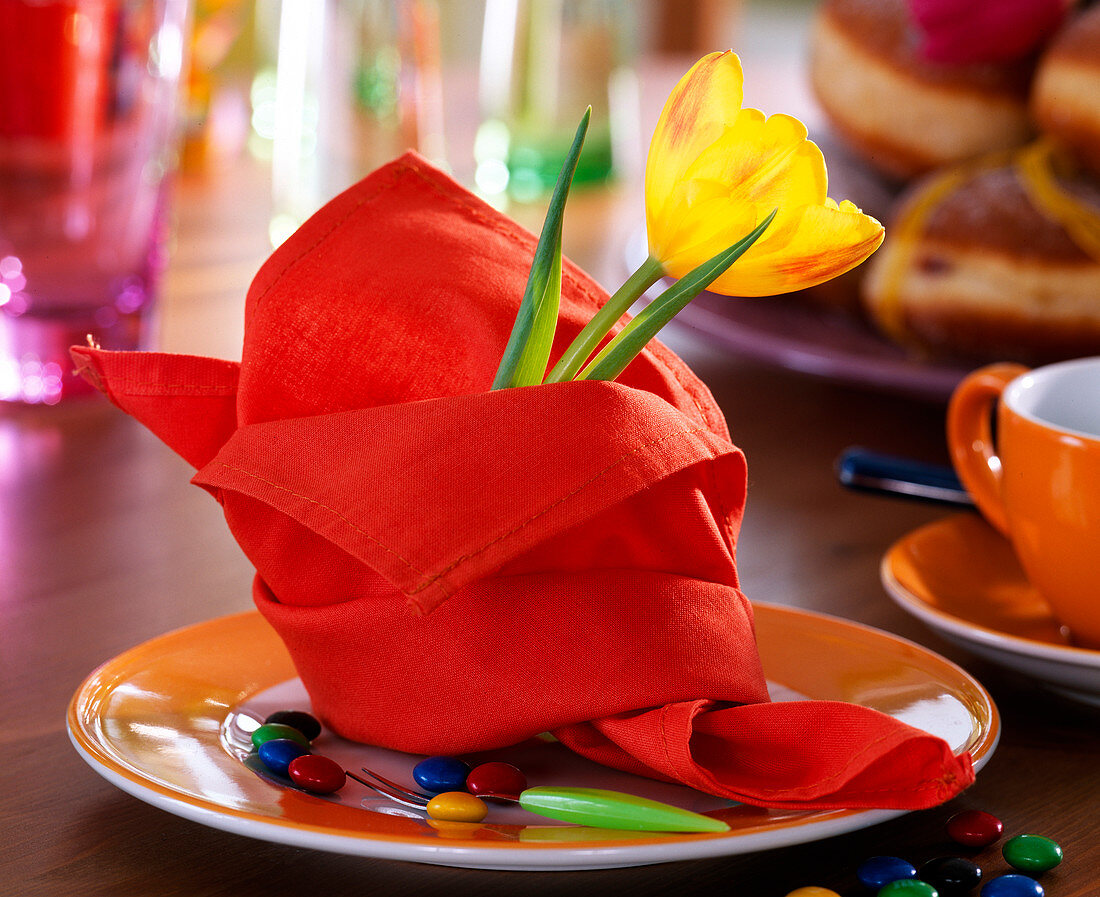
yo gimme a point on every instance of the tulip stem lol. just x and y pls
(635, 336)
(600, 325)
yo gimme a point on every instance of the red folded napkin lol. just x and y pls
(454, 569)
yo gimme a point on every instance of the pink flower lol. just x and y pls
(963, 31)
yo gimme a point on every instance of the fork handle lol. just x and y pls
(615, 810)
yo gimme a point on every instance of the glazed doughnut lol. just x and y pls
(904, 114)
(1066, 94)
(972, 268)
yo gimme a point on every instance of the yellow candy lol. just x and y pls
(457, 806)
(813, 891)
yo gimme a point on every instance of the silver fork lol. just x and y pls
(392, 790)
(585, 806)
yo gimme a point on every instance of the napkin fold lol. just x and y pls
(454, 569)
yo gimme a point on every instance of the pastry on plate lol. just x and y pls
(992, 262)
(903, 113)
(1066, 93)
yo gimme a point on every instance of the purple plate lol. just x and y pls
(804, 338)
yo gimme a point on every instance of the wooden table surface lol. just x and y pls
(104, 544)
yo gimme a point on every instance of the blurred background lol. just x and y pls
(113, 112)
(184, 139)
(119, 117)
(326, 90)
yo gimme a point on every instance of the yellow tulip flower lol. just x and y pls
(724, 184)
(715, 170)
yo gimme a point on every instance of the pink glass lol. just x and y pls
(88, 101)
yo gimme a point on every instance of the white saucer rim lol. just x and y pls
(975, 633)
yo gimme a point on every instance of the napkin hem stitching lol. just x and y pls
(551, 506)
(391, 182)
(498, 226)
(572, 280)
(129, 383)
(432, 579)
(513, 234)
(567, 276)
(331, 510)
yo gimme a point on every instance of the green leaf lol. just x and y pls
(528, 351)
(632, 339)
(536, 354)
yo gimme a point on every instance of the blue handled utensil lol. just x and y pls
(868, 471)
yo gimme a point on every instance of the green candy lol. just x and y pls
(908, 887)
(1031, 853)
(271, 731)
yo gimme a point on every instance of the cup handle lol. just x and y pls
(970, 437)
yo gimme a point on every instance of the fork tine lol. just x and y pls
(406, 798)
(415, 795)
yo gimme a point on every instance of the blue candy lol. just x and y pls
(1012, 886)
(277, 754)
(877, 872)
(440, 774)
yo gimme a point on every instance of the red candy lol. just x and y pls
(317, 774)
(974, 828)
(497, 778)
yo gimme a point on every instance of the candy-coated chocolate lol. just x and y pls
(277, 753)
(316, 773)
(496, 778)
(877, 872)
(974, 828)
(457, 806)
(459, 831)
(439, 774)
(297, 719)
(1012, 886)
(812, 891)
(270, 731)
(908, 887)
(1031, 853)
(951, 876)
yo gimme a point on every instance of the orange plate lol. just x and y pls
(158, 721)
(960, 577)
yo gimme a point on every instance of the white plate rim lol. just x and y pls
(545, 857)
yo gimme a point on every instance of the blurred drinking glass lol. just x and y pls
(542, 63)
(351, 84)
(88, 115)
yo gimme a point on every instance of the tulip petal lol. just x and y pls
(755, 166)
(706, 229)
(716, 170)
(764, 160)
(702, 105)
(814, 244)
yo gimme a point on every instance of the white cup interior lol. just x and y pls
(1064, 395)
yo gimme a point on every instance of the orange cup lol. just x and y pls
(1038, 479)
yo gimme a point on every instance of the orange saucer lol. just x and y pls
(960, 577)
